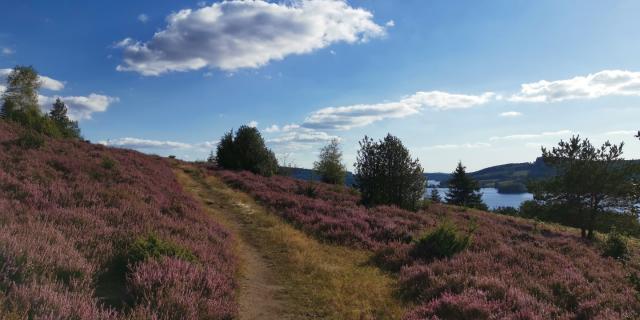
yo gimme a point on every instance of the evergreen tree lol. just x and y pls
(58, 114)
(435, 196)
(246, 151)
(329, 166)
(588, 182)
(386, 174)
(464, 190)
(225, 157)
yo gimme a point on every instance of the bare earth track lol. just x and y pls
(286, 274)
(260, 296)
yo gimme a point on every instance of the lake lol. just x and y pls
(493, 199)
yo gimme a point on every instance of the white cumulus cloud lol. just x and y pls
(599, 84)
(236, 34)
(347, 117)
(80, 107)
(45, 82)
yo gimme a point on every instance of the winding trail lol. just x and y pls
(261, 297)
(286, 274)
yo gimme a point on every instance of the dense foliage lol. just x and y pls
(464, 190)
(513, 269)
(589, 182)
(90, 232)
(246, 151)
(20, 105)
(329, 165)
(386, 174)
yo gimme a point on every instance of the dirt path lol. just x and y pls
(286, 274)
(261, 297)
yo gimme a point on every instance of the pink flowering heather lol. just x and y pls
(514, 268)
(70, 211)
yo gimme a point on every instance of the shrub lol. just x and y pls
(443, 242)
(616, 245)
(152, 247)
(308, 190)
(509, 211)
(30, 140)
(108, 163)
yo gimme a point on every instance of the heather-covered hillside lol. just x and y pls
(513, 268)
(90, 232)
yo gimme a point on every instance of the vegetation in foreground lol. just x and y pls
(90, 232)
(511, 268)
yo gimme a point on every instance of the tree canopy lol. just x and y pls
(67, 127)
(246, 150)
(589, 182)
(20, 105)
(329, 165)
(464, 190)
(386, 174)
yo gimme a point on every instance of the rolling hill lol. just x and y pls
(507, 178)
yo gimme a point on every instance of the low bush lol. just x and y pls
(30, 140)
(443, 242)
(615, 246)
(152, 247)
(107, 163)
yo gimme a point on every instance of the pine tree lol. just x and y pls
(58, 114)
(329, 166)
(464, 190)
(386, 174)
(435, 196)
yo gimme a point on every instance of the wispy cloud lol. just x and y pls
(510, 114)
(621, 133)
(528, 136)
(347, 117)
(476, 145)
(7, 51)
(231, 35)
(144, 18)
(150, 144)
(599, 84)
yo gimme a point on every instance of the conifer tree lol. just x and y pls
(386, 174)
(464, 190)
(67, 127)
(435, 196)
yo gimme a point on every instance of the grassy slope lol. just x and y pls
(322, 281)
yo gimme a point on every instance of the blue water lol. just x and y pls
(493, 199)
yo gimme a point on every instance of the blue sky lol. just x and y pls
(484, 82)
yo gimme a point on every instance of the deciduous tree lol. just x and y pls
(329, 165)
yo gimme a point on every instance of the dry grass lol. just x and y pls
(321, 281)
